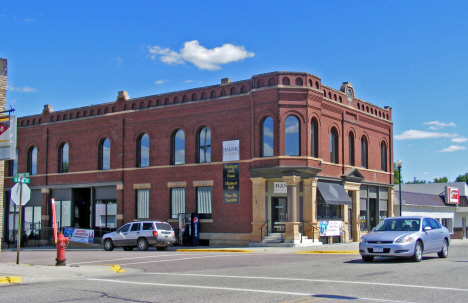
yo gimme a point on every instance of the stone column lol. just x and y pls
(292, 226)
(356, 215)
(391, 202)
(258, 209)
(120, 205)
(310, 208)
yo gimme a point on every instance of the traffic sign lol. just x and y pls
(24, 175)
(21, 180)
(15, 194)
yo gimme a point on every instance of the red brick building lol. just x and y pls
(293, 146)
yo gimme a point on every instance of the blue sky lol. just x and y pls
(410, 55)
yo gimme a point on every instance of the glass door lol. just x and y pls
(279, 213)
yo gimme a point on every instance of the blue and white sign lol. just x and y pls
(331, 228)
(231, 150)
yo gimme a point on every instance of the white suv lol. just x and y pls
(141, 234)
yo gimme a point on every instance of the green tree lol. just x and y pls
(462, 178)
(415, 181)
(441, 180)
(396, 175)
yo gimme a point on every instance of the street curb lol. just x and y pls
(216, 250)
(342, 252)
(4, 280)
(116, 268)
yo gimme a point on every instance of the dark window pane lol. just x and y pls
(204, 144)
(144, 151)
(267, 137)
(179, 147)
(291, 134)
(314, 139)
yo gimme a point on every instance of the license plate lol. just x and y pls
(378, 249)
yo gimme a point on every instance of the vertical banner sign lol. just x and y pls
(54, 220)
(195, 230)
(7, 137)
(231, 183)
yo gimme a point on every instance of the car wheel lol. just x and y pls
(128, 248)
(444, 252)
(161, 248)
(367, 258)
(418, 252)
(142, 244)
(108, 245)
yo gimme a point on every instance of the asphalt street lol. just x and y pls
(265, 275)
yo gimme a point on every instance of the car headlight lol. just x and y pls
(362, 240)
(404, 239)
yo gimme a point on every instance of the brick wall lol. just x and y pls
(229, 117)
(3, 84)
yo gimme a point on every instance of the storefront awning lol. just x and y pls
(333, 193)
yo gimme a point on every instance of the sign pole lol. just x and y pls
(18, 238)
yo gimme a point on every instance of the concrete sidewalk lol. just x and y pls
(26, 273)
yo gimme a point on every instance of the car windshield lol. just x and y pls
(399, 225)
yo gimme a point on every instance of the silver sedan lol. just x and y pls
(409, 237)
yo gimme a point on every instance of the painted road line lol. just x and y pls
(343, 252)
(314, 280)
(179, 259)
(122, 259)
(4, 280)
(241, 289)
(116, 268)
(216, 250)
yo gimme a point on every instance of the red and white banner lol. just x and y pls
(452, 195)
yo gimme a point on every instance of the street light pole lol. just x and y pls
(399, 164)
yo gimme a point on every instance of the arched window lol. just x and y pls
(334, 146)
(63, 158)
(32, 160)
(204, 145)
(260, 83)
(178, 148)
(291, 136)
(233, 90)
(285, 81)
(271, 82)
(267, 138)
(383, 156)
(314, 138)
(104, 154)
(213, 94)
(243, 89)
(299, 82)
(351, 148)
(364, 152)
(143, 151)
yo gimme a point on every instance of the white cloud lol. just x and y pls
(425, 173)
(118, 59)
(189, 81)
(438, 125)
(418, 134)
(452, 148)
(459, 140)
(24, 89)
(201, 57)
(159, 82)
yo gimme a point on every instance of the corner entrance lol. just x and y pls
(82, 207)
(279, 213)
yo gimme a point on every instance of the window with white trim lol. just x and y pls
(142, 204)
(177, 201)
(448, 222)
(204, 202)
